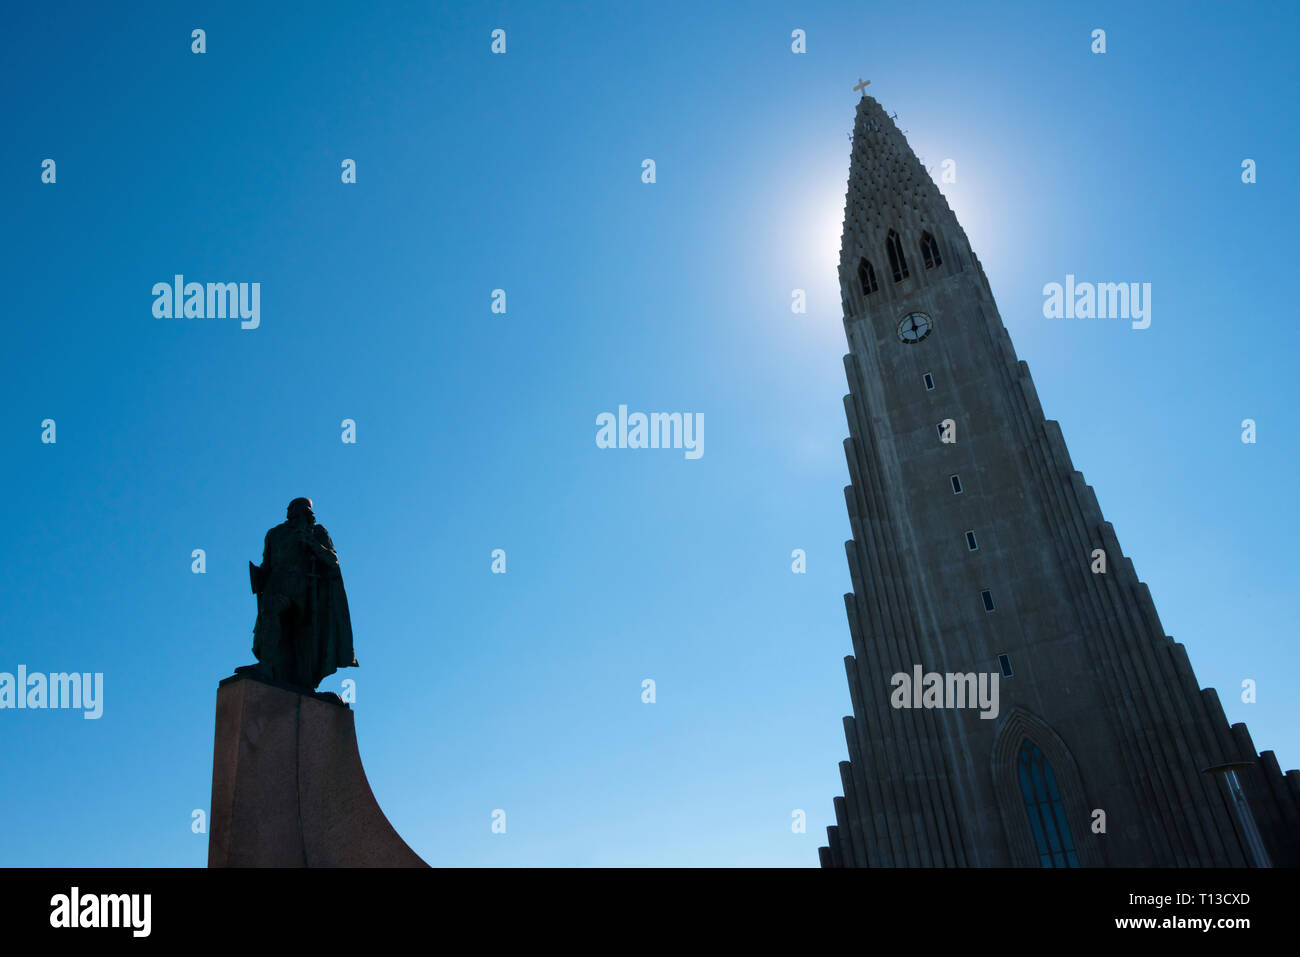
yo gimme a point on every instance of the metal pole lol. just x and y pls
(1245, 818)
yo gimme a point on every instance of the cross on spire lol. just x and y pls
(861, 85)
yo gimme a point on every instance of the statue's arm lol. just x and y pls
(260, 573)
(324, 547)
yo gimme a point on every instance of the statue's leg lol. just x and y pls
(295, 633)
(266, 637)
(282, 667)
(306, 650)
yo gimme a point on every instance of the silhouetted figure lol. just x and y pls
(303, 631)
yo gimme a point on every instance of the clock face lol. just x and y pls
(914, 327)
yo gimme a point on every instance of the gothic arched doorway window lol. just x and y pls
(1042, 797)
(867, 277)
(930, 251)
(897, 263)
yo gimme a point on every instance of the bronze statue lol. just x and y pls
(303, 631)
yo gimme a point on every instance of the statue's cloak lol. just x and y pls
(296, 583)
(334, 649)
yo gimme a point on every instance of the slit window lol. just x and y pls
(1004, 662)
(986, 596)
(971, 543)
(956, 484)
(929, 382)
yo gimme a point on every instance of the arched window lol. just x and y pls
(930, 251)
(1046, 812)
(867, 276)
(896, 261)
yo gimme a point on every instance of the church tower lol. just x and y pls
(980, 554)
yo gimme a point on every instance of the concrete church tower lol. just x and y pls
(977, 557)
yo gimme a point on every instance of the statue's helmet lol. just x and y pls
(299, 504)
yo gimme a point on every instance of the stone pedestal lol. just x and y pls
(288, 788)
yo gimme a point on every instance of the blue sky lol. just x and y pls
(476, 431)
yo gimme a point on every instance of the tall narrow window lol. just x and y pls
(867, 276)
(956, 484)
(986, 596)
(971, 543)
(1043, 805)
(1004, 662)
(929, 382)
(930, 251)
(896, 261)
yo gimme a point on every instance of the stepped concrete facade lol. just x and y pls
(979, 556)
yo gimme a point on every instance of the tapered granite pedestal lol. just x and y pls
(288, 788)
